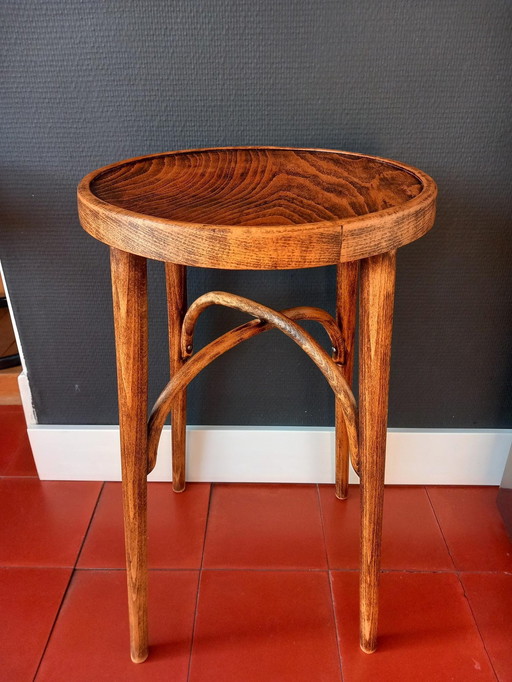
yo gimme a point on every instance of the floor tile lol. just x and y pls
(176, 526)
(426, 630)
(473, 527)
(44, 522)
(15, 453)
(29, 601)
(411, 538)
(264, 526)
(490, 596)
(265, 626)
(91, 642)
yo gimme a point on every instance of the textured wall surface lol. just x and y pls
(86, 83)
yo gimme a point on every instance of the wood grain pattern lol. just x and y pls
(375, 327)
(257, 207)
(175, 277)
(129, 290)
(346, 302)
(253, 187)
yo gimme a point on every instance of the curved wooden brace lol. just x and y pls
(298, 313)
(331, 371)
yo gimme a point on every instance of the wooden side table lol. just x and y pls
(265, 208)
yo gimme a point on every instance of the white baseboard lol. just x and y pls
(280, 454)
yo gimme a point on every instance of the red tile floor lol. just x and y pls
(248, 582)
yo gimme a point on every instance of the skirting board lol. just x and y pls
(271, 455)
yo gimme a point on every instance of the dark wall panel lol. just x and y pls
(86, 83)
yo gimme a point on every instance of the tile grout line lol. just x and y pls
(333, 612)
(89, 525)
(71, 576)
(293, 569)
(199, 583)
(476, 624)
(458, 574)
(440, 528)
(64, 594)
(19, 476)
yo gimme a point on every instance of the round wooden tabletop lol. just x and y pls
(257, 207)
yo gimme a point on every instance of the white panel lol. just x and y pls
(298, 455)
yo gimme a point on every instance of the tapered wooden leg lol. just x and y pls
(346, 295)
(375, 325)
(129, 290)
(175, 276)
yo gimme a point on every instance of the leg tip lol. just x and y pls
(178, 488)
(368, 648)
(341, 492)
(139, 657)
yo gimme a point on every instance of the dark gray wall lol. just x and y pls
(91, 82)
